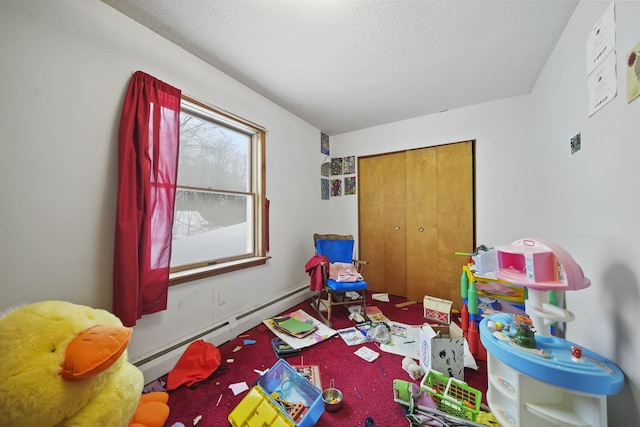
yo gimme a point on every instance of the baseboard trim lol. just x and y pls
(161, 362)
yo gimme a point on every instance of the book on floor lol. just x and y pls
(294, 327)
(282, 349)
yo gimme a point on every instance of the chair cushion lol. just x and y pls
(346, 286)
(336, 250)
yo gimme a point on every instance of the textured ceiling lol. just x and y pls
(344, 65)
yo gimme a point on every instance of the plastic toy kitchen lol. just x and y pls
(536, 378)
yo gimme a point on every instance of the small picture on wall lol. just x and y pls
(324, 143)
(336, 166)
(324, 189)
(325, 169)
(633, 73)
(349, 185)
(336, 187)
(349, 165)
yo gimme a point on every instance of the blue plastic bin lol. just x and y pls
(293, 387)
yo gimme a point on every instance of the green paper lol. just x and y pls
(293, 325)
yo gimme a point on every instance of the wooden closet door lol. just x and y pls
(455, 217)
(415, 211)
(382, 220)
(395, 222)
(370, 220)
(422, 222)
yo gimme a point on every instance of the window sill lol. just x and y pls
(215, 270)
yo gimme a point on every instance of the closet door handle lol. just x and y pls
(421, 229)
(397, 227)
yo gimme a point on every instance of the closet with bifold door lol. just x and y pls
(415, 210)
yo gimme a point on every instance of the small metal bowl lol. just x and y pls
(332, 398)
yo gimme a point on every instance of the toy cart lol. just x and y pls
(452, 396)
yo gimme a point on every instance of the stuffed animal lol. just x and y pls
(63, 364)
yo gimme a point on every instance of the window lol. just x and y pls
(219, 218)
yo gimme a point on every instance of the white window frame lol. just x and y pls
(257, 170)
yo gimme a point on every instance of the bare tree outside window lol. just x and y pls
(218, 189)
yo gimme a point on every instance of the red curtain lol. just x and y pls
(148, 142)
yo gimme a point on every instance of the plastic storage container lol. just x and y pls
(256, 408)
(453, 396)
(260, 407)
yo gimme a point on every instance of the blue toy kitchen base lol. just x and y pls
(548, 385)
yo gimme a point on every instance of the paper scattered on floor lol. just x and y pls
(354, 314)
(404, 340)
(375, 314)
(238, 388)
(384, 297)
(322, 332)
(367, 354)
(352, 295)
(352, 336)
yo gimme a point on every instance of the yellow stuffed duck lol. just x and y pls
(63, 364)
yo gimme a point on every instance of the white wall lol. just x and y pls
(591, 202)
(502, 133)
(65, 66)
(528, 185)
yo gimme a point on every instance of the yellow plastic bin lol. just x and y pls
(257, 409)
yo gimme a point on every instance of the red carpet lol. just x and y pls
(336, 361)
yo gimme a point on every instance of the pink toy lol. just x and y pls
(541, 266)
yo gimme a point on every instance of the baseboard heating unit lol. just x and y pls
(161, 362)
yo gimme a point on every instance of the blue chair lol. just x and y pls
(337, 248)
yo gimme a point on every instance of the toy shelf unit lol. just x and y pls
(490, 287)
(548, 385)
(483, 293)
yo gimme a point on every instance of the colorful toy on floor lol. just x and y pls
(441, 401)
(65, 364)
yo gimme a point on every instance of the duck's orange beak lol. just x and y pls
(93, 351)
